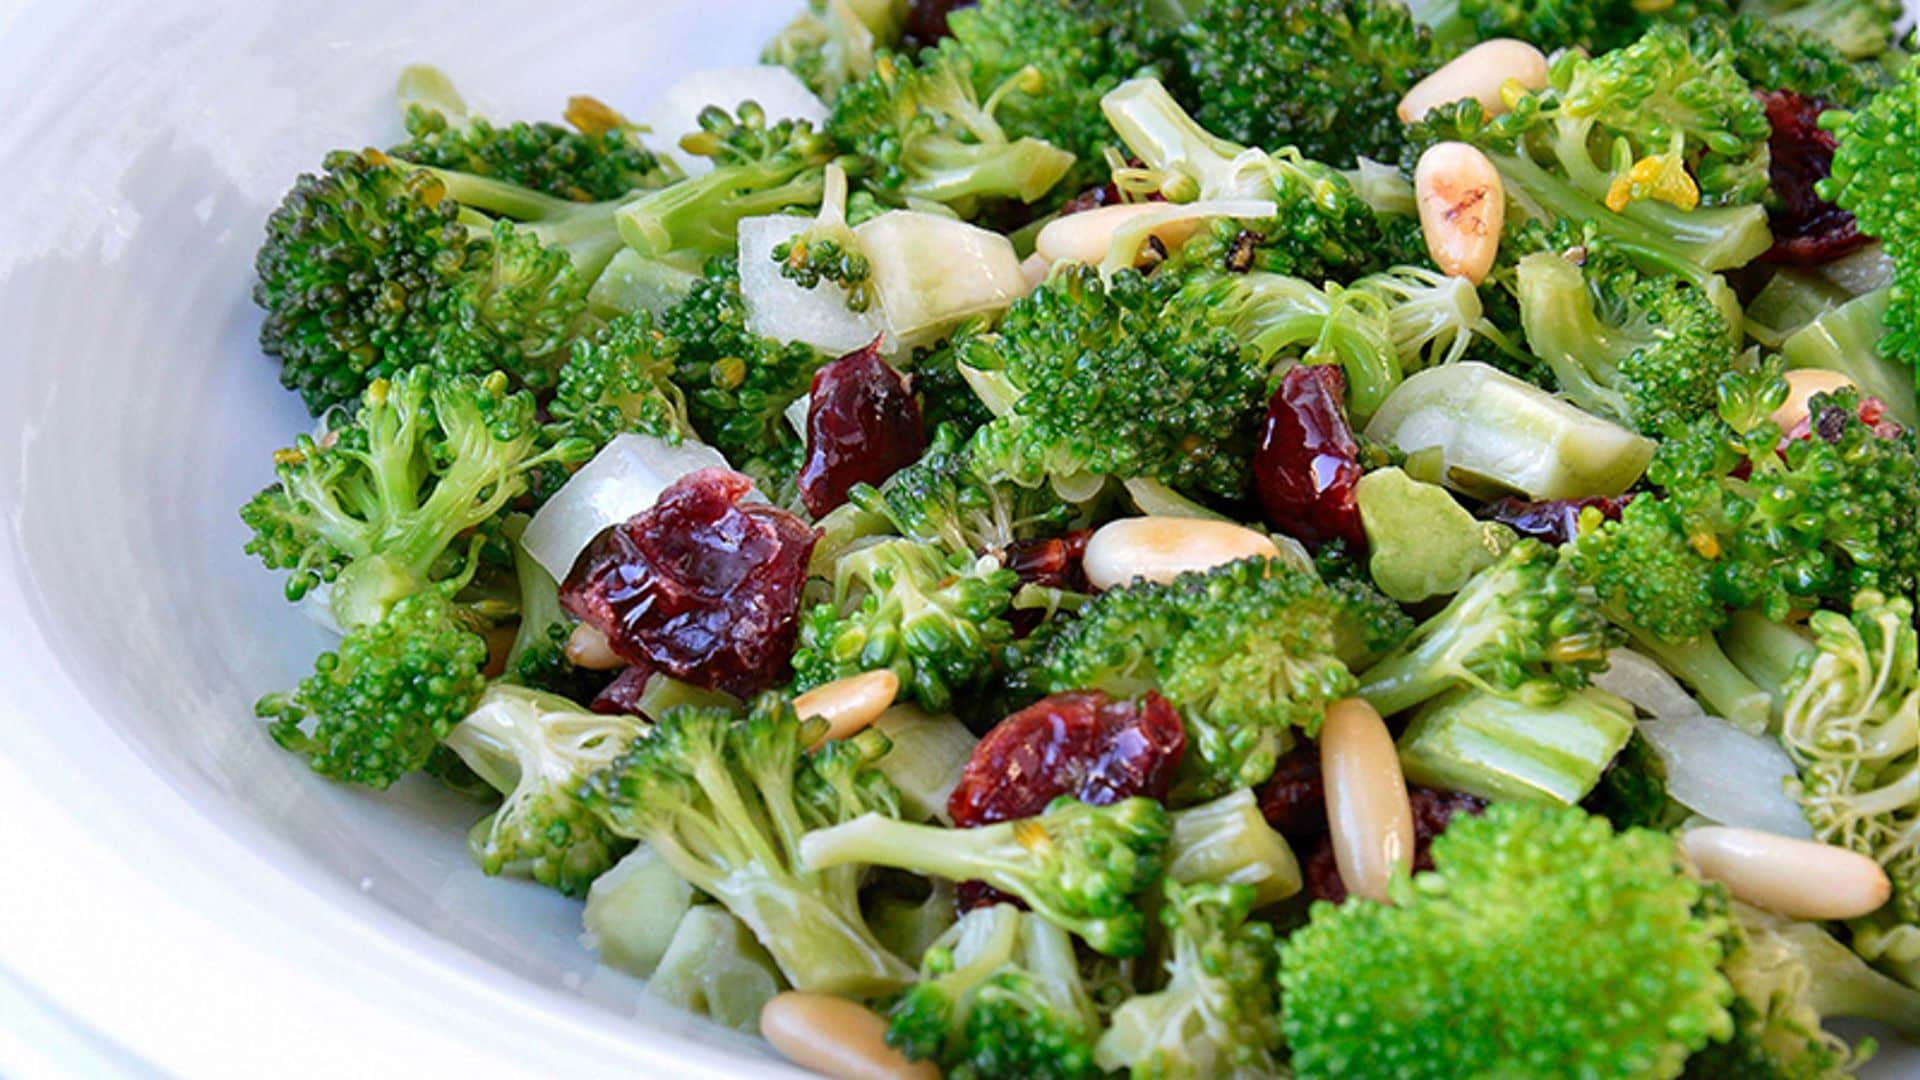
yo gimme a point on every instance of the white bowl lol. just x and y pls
(177, 893)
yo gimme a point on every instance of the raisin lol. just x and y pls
(927, 21)
(1807, 230)
(1555, 521)
(1432, 810)
(1082, 744)
(701, 586)
(863, 425)
(1294, 801)
(1307, 468)
(1053, 563)
(622, 695)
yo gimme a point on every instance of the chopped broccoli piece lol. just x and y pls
(1772, 56)
(834, 42)
(1495, 748)
(1229, 842)
(1541, 943)
(1859, 29)
(944, 499)
(620, 382)
(1078, 866)
(1592, 25)
(1873, 166)
(714, 968)
(538, 657)
(632, 912)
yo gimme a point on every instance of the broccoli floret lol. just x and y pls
(1554, 24)
(724, 801)
(926, 136)
(1632, 793)
(1872, 179)
(1771, 56)
(620, 382)
(1790, 978)
(946, 398)
(1119, 379)
(1219, 1013)
(1849, 722)
(601, 158)
(943, 499)
(1078, 866)
(935, 620)
(393, 502)
(834, 42)
(1521, 629)
(1000, 995)
(1246, 652)
(1321, 75)
(1858, 29)
(828, 251)
(1648, 352)
(1542, 943)
(375, 709)
(737, 384)
(537, 750)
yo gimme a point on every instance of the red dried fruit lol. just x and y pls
(1555, 521)
(863, 425)
(1053, 563)
(1083, 744)
(927, 21)
(1307, 467)
(1807, 230)
(1432, 810)
(700, 586)
(622, 695)
(1830, 422)
(1294, 800)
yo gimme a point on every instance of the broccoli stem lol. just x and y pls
(1228, 841)
(1722, 687)
(1770, 653)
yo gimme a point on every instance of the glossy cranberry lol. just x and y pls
(1053, 563)
(1807, 230)
(1555, 521)
(622, 695)
(927, 21)
(701, 586)
(1307, 466)
(1083, 744)
(1294, 801)
(863, 425)
(1432, 811)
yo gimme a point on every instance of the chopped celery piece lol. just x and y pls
(1228, 841)
(633, 910)
(1847, 340)
(1424, 543)
(925, 760)
(1500, 749)
(716, 969)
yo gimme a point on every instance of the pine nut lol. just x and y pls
(849, 704)
(589, 648)
(1162, 548)
(1800, 879)
(836, 1037)
(1085, 237)
(1463, 207)
(1801, 386)
(1480, 73)
(1369, 817)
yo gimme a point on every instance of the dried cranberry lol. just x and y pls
(1082, 743)
(863, 425)
(1432, 810)
(927, 21)
(701, 586)
(1555, 521)
(622, 695)
(1830, 423)
(1294, 801)
(1807, 230)
(1307, 467)
(1053, 563)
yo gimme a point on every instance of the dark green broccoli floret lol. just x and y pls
(1593, 25)
(936, 620)
(1118, 379)
(1774, 57)
(943, 499)
(1872, 179)
(1541, 944)
(1858, 29)
(1078, 866)
(1646, 351)
(725, 800)
(1246, 652)
(737, 384)
(1000, 996)
(374, 709)
(1219, 1013)
(538, 657)
(1323, 76)
(830, 44)
(620, 382)
(1521, 629)
(925, 135)
(1632, 793)
(392, 503)
(946, 399)
(537, 750)
(601, 158)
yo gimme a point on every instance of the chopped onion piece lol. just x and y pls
(1647, 685)
(932, 273)
(1727, 775)
(677, 112)
(623, 479)
(783, 309)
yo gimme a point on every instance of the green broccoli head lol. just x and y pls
(1873, 167)
(926, 135)
(1219, 1013)
(1555, 24)
(1078, 866)
(1773, 56)
(1857, 29)
(1522, 629)
(537, 750)
(1000, 994)
(936, 620)
(1247, 652)
(398, 499)
(1851, 722)
(1542, 943)
(724, 800)
(374, 709)
(1647, 571)
(1646, 351)
(620, 382)
(944, 499)
(1323, 76)
(830, 44)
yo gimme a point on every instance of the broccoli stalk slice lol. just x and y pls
(1498, 749)
(1228, 841)
(1079, 866)
(1771, 654)
(585, 232)
(1846, 340)
(1715, 679)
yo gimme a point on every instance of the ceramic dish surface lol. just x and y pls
(179, 895)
